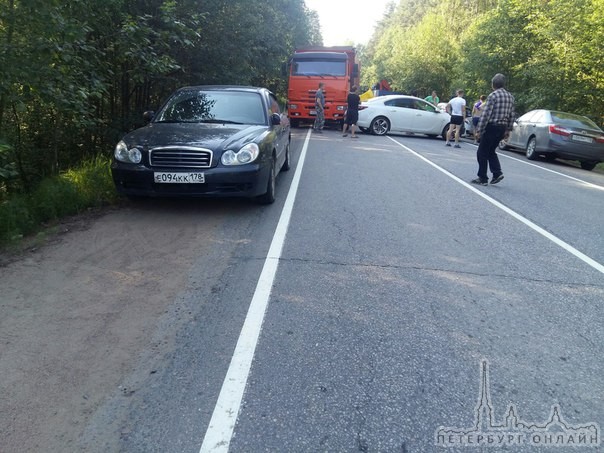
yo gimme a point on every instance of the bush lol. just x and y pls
(15, 219)
(89, 185)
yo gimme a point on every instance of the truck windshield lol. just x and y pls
(319, 68)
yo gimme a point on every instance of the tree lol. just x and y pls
(77, 75)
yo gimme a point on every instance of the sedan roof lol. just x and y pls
(223, 88)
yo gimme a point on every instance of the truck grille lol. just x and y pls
(180, 156)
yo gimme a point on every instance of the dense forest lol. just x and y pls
(76, 75)
(550, 50)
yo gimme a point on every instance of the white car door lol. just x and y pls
(426, 118)
(401, 114)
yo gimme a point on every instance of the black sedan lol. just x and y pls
(557, 134)
(207, 141)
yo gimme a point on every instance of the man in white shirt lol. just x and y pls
(457, 109)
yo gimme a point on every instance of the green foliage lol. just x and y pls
(89, 185)
(8, 169)
(77, 75)
(16, 219)
(550, 50)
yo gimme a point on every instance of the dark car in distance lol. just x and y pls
(207, 141)
(556, 134)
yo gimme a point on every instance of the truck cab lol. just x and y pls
(336, 67)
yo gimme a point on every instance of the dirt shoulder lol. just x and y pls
(76, 311)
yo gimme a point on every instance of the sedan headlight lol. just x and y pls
(123, 154)
(249, 153)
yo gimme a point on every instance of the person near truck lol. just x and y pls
(319, 108)
(352, 112)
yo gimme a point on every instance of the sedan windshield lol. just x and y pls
(230, 107)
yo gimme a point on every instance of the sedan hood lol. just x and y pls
(206, 135)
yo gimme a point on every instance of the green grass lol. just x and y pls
(89, 185)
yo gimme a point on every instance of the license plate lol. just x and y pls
(179, 178)
(313, 112)
(580, 138)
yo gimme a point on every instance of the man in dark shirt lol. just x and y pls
(352, 112)
(495, 124)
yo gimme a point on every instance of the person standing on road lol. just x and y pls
(457, 109)
(319, 108)
(476, 111)
(352, 113)
(496, 122)
(433, 98)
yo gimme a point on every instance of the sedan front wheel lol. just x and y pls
(380, 125)
(586, 165)
(287, 163)
(269, 196)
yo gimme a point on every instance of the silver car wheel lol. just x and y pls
(531, 149)
(380, 125)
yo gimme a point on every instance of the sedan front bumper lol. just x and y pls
(247, 181)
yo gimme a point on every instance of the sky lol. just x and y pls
(345, 21)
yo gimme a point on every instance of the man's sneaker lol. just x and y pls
(497, 179)
(456, 146)
(480, 182)
(447, 144)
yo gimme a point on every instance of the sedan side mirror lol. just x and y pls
(148, 116)
(275, 119)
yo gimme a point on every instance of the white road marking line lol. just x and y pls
(220, 430)
(566, 246)
(595, 186)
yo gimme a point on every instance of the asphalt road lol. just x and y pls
(395, 282)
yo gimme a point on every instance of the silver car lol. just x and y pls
(556, 134)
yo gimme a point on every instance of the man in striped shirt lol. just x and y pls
(496, 122)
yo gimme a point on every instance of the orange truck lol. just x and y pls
(337, 67)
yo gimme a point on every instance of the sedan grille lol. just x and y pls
(180, 156)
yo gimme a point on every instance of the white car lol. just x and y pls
(399, 113)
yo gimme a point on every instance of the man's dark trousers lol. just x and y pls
(486, 153)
